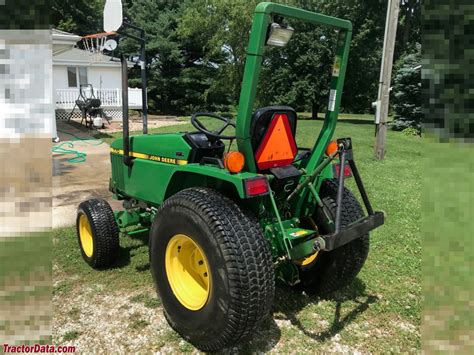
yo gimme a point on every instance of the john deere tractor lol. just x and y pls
(224, 225)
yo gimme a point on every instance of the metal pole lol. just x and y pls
(144, 86)
(386, 73)
(126, 134)
(340, 189)
(142, 40)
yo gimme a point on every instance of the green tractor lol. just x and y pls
(224, 227)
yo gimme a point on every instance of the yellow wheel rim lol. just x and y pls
(85, 235)
(187, 272)
(308, 260)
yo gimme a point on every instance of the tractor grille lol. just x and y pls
(117, 171)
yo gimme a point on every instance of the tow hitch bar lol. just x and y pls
(359, 228)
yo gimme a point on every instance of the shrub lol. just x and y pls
(410, 131)
(406, 92)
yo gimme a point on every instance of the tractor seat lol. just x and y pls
(272, 132)
(202, 147)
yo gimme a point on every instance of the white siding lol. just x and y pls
(99, 77)
(60, 77)
(105, 78)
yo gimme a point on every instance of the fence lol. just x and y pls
(66, 98)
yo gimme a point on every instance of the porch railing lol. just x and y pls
(66, 98)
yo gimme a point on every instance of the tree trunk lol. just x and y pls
(314, 110)
(406, 29)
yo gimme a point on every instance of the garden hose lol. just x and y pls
(68, 147)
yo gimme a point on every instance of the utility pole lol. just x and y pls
(382, 103)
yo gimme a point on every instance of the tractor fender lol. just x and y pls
(196, 175)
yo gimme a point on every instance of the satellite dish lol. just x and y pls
(113, 15)
(110, 45)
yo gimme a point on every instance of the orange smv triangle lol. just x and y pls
(278, 147)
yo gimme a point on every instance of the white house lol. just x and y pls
(73, 67)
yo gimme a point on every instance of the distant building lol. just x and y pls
(73, 67)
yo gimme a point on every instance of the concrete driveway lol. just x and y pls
(76, 182)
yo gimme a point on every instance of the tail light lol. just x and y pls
(337, 168)
(256, 186)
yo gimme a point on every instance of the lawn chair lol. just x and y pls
(90, 107)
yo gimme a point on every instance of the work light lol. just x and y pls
(279, 35)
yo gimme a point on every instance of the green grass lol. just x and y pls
(25, 287)
(379, 312)
(147, 300)
(136, 322)
(448, 257)
(71, 335)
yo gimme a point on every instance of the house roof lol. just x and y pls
(76, 56)
(58, 33)
(63, 41)
(65, 52)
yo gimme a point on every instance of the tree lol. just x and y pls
(196, 51)
(222, 30)
(164, 56)
(409, 26)
(81, 17)
(363, 69)
(407, 92)
(24, 15)
(300, 77)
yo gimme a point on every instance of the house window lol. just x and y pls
(82, 71)
(72, 77)
(76, 75)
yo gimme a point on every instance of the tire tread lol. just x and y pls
(104, 229)
(248, 262)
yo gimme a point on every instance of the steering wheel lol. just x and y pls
(212, 135)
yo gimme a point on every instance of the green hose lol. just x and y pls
(68, 147)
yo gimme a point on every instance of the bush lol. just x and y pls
(407, 93)
(410, 131)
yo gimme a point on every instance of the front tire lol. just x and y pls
(97, 233)
(212, 268)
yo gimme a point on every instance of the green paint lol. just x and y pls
(302, 250)
(166, 145)
(133, 217)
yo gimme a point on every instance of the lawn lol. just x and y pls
(25, 296)
(379, 312)
(448, 254)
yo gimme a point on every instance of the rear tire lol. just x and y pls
(97, 233)
(335, 269)
(233, 254)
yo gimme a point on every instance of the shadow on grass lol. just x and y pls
(290, 302)
(102, 135)
(355, 292)
(341, 120)
(356, 121)
(125, 254)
